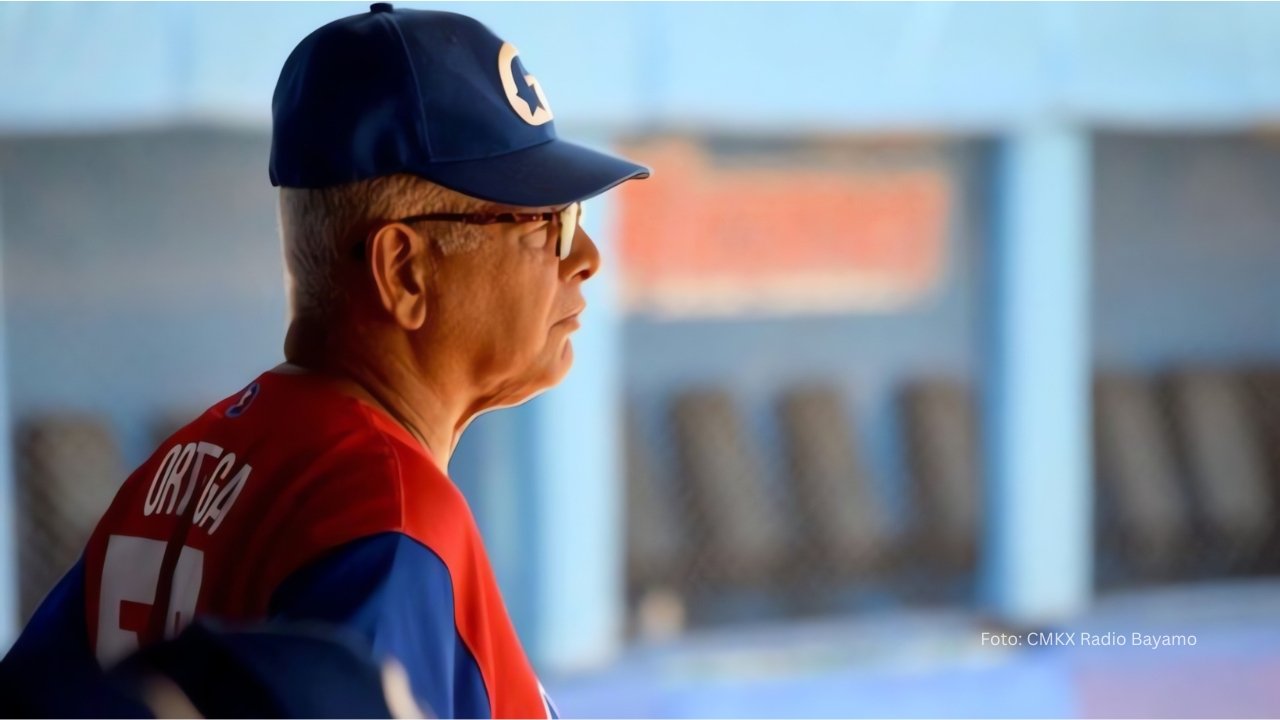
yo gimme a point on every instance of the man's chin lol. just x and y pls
(556, 368)
(566, 358)
(553, 372)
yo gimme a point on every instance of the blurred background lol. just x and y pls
(935, 320)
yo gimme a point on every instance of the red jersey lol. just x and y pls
(274, 480)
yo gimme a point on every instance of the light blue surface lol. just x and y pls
(8, 529)
(1038, 561)
(626, 66)
(579, 553)
(936, 664)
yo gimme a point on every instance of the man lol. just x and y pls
(430, 225)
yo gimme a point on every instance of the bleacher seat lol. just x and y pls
(844, 524)
(68, 469)
(941, 442)
(736, 529)
(1231, 494)
(1144, 523)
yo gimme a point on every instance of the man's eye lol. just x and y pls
(535, 234)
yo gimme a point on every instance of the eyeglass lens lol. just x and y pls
(569, 219)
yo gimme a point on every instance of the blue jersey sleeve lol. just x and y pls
(50, 671)
(398, 595)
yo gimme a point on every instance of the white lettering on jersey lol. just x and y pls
(130, 575)
(178, 475)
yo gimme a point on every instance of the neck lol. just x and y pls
(387, 377)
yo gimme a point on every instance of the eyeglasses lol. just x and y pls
(563, 223)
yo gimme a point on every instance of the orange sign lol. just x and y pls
(698, 239)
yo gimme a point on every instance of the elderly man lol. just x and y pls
(430, 224)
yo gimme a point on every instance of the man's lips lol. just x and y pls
(573, 316)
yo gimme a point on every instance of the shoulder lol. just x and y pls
(374, 479)
(431, 509)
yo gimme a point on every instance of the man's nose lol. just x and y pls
(583, 260)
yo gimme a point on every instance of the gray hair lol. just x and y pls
(317, 224)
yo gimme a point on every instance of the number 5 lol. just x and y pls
(130, 574)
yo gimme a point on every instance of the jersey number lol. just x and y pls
(130, 576)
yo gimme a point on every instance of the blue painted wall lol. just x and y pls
(867, 356)
(736, 65)
(1186, 247)
(142, 273)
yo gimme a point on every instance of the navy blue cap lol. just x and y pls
(435, 94)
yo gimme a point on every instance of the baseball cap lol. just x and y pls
(435, 94)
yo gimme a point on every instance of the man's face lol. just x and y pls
(505, 310)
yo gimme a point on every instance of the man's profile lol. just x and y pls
(430, 222)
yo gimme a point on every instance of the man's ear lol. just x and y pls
(398, 259)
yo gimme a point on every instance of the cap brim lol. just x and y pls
(556, 172)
